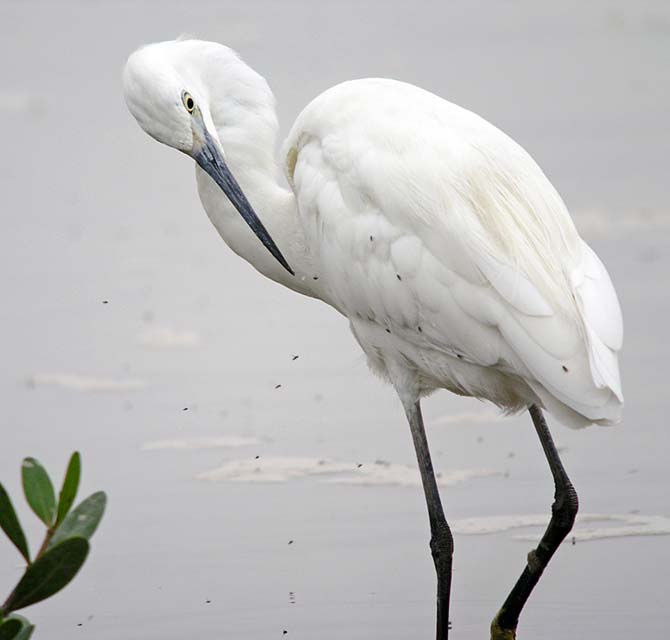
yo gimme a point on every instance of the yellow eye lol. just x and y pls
(188, 101)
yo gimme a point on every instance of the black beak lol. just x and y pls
(211, 160)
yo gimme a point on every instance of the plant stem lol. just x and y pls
(45, 544)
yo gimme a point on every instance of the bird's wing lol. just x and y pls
(428, 220)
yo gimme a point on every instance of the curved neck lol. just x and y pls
(247, 135)
(277, 209)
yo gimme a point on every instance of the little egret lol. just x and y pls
(437, 236)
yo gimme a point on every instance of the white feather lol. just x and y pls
(435, 234)
(428, 222)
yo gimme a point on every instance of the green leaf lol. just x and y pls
(39, 490)
(15, 616)
(25, 633)
(49, 573)
(83, 520)
(11, 526)
(25, 629)
(10, 629)
(70, 486)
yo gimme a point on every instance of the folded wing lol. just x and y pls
(431, 222)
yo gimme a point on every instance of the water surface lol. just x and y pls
(126, 321)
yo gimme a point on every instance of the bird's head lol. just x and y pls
(167, 90)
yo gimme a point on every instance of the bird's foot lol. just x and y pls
(498, 633)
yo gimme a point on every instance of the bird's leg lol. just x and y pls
(441, 541)
(563, 513)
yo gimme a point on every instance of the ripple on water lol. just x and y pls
(285, 468)
(586, 526)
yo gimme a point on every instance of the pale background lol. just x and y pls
(93, 210)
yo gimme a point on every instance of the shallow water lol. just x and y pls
(126, 323)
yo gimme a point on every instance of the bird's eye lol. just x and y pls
(188, 101)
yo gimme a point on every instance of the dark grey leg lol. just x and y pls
(441, 541)
(563, 513)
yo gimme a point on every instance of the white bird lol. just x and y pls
(440, 239)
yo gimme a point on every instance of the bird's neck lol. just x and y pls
(248, 139)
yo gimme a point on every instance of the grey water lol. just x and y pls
(124, 320)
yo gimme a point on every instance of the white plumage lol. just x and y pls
(428, 222)
(435, 234)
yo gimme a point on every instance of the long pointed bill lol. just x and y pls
(210, 159)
